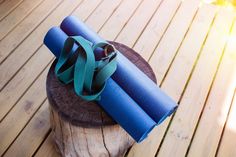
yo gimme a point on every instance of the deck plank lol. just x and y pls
(181, 129)
(227, 145)
(214, 116)
(23, 29)
(8, 6)
(16, 16)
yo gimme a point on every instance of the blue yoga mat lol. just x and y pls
(119, 105)
(130, 78)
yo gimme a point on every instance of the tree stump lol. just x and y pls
(81, 128)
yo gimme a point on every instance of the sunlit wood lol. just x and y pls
(228, 3)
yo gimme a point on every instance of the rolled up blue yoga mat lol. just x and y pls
(119, 105)
(134, 82)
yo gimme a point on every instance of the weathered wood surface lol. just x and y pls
(182, 41)
(78, 141)
(81, 128)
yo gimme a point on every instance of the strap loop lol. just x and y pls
(79, 65)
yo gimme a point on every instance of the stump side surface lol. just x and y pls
(82, 113)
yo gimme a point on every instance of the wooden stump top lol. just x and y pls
(80, 112)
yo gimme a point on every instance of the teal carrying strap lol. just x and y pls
(79, 66)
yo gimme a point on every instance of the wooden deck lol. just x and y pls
(191, 47)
